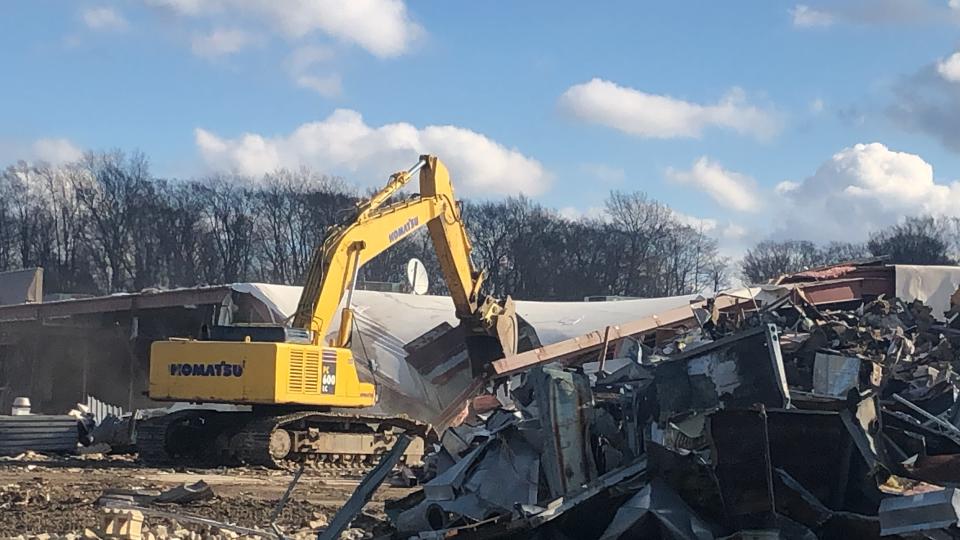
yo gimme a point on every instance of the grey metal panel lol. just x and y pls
(923, 512)
(21, 286)
(40, 433)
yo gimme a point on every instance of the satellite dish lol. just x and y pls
(417, 276)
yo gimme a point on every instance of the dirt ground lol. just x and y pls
(57, 495)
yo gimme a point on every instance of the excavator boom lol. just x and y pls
(375, 229)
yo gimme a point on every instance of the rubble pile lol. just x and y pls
(785, 420)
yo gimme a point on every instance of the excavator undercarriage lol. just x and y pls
(332, 442)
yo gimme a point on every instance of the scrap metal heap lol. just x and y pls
(772, 417)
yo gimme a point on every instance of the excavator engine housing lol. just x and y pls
(255, 372)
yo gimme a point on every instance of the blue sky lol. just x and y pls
(753, 118)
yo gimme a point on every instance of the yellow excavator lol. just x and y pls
(305, 396)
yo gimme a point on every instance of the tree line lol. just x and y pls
(915, 240)
(106, 224)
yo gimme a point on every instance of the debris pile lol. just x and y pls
(89, 428)
(779, 418)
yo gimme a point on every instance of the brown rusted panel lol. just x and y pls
(832, 293)
(846, 289)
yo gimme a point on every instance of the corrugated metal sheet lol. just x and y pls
(101, 410)
(40, 433)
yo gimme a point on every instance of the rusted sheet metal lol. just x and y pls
(869, 269)
(832, 272)
(843, 290)
(564, 400)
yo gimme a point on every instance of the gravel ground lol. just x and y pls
(57, 496)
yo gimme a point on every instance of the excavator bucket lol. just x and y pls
(496, 332)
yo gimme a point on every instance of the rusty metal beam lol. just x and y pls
(593, 341)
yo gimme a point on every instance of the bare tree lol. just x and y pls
(642, 224)
(769, 259)
(114, 188)
(105, 225)
(229, 215)
(917, 240)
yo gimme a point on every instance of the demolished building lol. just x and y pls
(822, 405)
(58, 352)
(819, 406)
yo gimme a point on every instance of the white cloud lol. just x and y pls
(728, 188)
(55, 151)
(785, 187)
(706, 225)
(301, 66)
(732, 239)
(344, 144)
(220, 42)
(864, 188)
(649, 115)
(822, 13)
(103, 18)
(604, 173)
(382, 27)
(185, 7)
(732, 231)
(303, 58)
(325, 85)
(949, 68)
(806, 17)
(954, 4)
(816, 106)
(575, 214)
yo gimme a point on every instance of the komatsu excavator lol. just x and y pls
(296, 385)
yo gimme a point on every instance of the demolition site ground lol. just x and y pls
(57, 496)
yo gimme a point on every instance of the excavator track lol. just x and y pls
(327, 443)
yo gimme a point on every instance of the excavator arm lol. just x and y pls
(378, 226)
